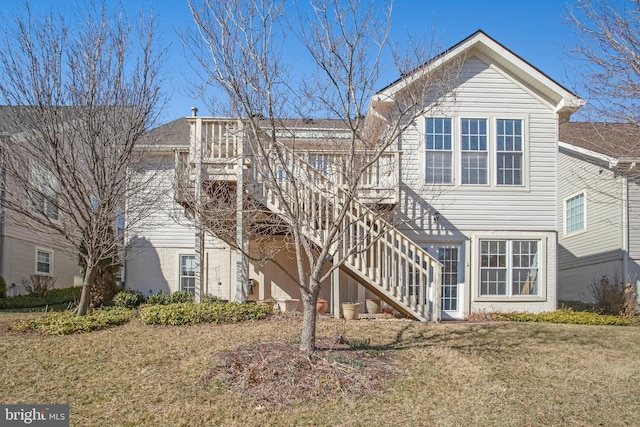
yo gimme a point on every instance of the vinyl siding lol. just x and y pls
(634, 219)
(487, 92)
(167, 224)
(601, 241)
(20, 262)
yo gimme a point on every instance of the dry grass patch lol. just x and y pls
(500, 373)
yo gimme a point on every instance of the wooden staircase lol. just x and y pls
(378, 256)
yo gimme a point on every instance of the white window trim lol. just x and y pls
(50, 252)
(180, 269)
(492, 153)
(424, 151)
(564, 214)
(524, 153)
(542, 269)
(457, 141)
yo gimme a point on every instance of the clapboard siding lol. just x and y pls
(167, 225)
(634, 218)
(602, 240)
(487, 92)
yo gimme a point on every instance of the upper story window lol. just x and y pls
(574, 213)
(475, 151)
(44, 193)
(438, 151)
(473, 142)
(509, 152)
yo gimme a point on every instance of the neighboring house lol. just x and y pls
(475, 184)
(24, 248)
(598, 207)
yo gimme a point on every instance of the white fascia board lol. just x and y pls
(611, 161)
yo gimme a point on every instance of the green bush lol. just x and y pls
(3, 288)
(128, 299)
(53, 297)
(188, 313)
(565, 316)
(66, 322)
(165, 299)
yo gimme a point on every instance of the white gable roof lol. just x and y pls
(563, 101)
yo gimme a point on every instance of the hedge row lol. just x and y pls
(53, 297)
(565, 316)
(212, 312)
(66, 322)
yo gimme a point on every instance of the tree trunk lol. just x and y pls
(308, 337)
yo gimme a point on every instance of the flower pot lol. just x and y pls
(350, 311)
(373, 305)
(321, 306)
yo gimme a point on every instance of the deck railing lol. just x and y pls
(383, 258)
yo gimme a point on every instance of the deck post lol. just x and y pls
(199, 237)
(335, 293)
(242, 261)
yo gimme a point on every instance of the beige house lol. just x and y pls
(475, 186)
(598, 207)
(25, 249)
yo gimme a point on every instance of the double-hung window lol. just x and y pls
(44, 192)
(509, 267)
(44, 261)
(474, 154)
(509, 151)
(438, 151)
(188, 273)
(574, 213)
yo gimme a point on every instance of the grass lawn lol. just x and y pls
(461, 374)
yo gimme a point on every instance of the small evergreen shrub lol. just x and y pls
(66, 322)
(164, 299)
(564, 316)
(188, 313)
(53, 297)
(3, 288)
(128, 299)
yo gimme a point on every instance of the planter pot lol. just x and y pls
(321, 306)
(350, 311)
(373, 305)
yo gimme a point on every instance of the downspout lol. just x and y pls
(625, 229)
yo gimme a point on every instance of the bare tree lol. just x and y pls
(239, 46)
(609, 48)
(79, 95)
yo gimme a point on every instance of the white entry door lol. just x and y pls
(452, 259)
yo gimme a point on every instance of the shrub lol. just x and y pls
(564, 316)
(164, 299)
(38, 284)
(188, 313)
(53, 297)
(612, 296)
(3, 288)
(65, 322)
(128, 299)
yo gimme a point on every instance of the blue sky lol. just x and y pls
(534, 30)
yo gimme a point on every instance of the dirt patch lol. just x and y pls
(276, 374)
